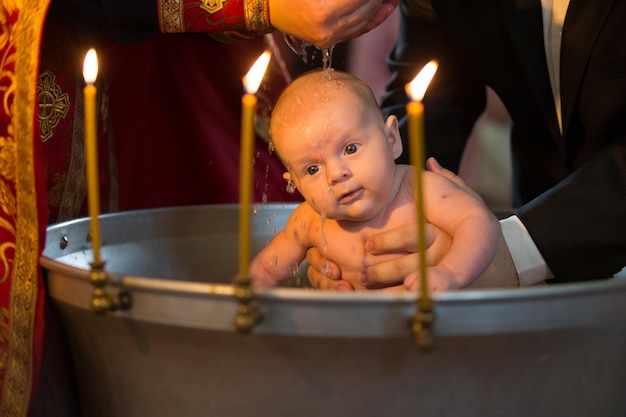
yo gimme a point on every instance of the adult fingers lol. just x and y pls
(401, 239)
(324, 274)
(404, 268)
(383, 12)
(322, 282)
(392, 272)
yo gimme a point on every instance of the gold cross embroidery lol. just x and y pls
(212, 6)
(53, 104)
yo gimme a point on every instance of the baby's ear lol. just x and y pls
(291, 186)
(392, 132)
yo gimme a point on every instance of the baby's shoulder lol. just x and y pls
(406, 174)
(300, 224)
(303, 216)
(304, 209)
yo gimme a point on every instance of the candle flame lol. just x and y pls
(253, 78)
(417, 88)
(90, 67)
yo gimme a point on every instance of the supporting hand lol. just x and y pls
(326, 275)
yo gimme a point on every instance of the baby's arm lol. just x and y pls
(278, 260)
(473, 227)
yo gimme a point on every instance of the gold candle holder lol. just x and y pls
(101, 301)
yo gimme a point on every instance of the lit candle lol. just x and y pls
(251, 82)
(415, 110)
(90, 72)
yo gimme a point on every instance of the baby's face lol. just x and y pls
(339, 156)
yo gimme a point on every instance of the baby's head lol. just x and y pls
(310, 103)
(330, 133)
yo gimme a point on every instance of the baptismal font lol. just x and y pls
(178, 350)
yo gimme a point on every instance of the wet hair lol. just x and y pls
(317, 88)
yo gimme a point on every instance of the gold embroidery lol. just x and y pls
(171, 16)
(212, 6)
(8, 205)
(26, 33)
(4, 334)
(53, 104)
(257, 16)
(8, 156)
(8, 167)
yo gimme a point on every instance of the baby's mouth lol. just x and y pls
(350, 196)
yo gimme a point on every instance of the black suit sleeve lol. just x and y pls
(455, 98)
(579, 225)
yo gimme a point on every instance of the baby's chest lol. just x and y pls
(347, 250)
(347, 247)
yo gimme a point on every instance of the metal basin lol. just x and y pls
(541, 351)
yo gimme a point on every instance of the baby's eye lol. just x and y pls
(312, 170)
(351, 148)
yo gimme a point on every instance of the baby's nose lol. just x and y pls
(337, 172)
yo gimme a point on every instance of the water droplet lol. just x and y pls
(326, 268)
(297, 45)
(308, 52)
(327, 58)
(290, 187)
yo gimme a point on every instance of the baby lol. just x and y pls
(339, 153)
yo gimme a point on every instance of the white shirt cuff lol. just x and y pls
(530, 266)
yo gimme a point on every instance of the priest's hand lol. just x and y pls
(325, 23)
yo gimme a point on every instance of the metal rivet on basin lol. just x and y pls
(64, 242)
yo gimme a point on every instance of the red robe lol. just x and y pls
(150, 161)
(175, 108)
(22, 206)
